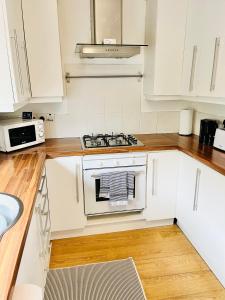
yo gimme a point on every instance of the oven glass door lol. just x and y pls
(22, 135)
(95, 205)
(97, 190)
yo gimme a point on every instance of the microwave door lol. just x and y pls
(22, 135)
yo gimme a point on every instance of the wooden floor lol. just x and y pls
(169, 267)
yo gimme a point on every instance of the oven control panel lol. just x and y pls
(113, 161)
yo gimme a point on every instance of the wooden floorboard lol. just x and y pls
(168, 265)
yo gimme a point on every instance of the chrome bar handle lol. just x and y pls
(45, 230)
(153, 177)
(197, 181)
(193, 66)
(43, 210)
(18, 61)
(77, 182)
(215, 64)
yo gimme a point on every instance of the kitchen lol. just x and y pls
(137, 101)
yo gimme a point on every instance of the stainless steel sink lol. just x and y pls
(11, 208)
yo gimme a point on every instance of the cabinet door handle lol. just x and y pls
(18, 61)
(193, 66)
(215, 64)
(77, 183)
(153, 177)
(197, 180)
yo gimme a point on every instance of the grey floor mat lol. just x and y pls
(116, 280)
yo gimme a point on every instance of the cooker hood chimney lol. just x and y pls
(106, 30)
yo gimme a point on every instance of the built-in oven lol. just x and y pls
(96, 165)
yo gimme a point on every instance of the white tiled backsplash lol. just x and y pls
(104, 105)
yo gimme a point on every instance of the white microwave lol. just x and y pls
(16, 134)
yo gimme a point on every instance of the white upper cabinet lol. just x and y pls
(165, 35)
(162, 185)
(191, 52)
(14, 73)
(134, 22)
(217, 88)
(186, 53)
(43, 49)
(204, 55)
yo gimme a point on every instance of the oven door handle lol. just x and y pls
(97, 176)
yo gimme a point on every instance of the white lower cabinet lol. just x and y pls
(162, 178)
(65, 187)
(200, 212)
(35, 259)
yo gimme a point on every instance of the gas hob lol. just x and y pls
(109, 141)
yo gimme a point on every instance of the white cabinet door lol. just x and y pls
(200, 212)
(65, 188)
(17, 49)
(134, 22)
(217, 87)
(211, 222)
(209, 46)
(165, 34)
(43, 48)
(162, 185)
(6, 90)
(191, 51)
(203, 73)
(187, 193)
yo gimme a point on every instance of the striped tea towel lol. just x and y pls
(104, 185)
(118, 189)
(130, 185)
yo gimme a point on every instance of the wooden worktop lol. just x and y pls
(20, 174)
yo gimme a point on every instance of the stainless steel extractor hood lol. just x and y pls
(106, 30)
